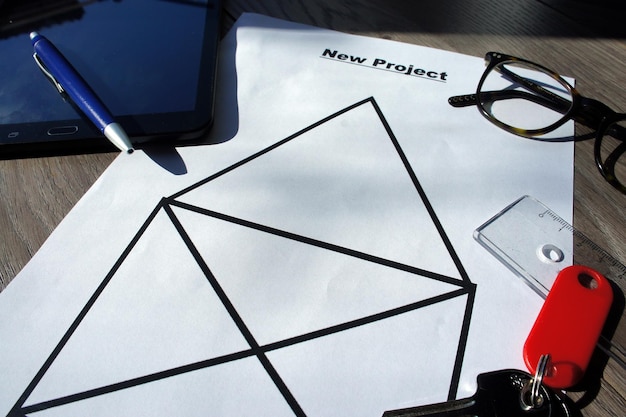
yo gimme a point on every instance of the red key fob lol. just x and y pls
(569, 325)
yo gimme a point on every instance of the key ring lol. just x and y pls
(535, 399)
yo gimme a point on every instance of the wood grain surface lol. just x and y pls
(582, 39)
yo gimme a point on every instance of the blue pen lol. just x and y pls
(68, 80)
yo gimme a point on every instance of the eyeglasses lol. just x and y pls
(532, 101)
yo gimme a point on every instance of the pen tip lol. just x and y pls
(115, 133)
(33, 35)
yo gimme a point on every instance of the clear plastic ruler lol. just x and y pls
(536, 244)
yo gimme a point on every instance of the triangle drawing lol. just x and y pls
(271, 286)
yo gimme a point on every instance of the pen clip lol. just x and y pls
(47, 73)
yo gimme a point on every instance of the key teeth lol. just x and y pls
(499, 393)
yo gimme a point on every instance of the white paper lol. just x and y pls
(316, 260)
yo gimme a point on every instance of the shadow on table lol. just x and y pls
(552, 18)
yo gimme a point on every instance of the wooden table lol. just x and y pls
(585, 40)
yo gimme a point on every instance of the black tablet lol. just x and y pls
(152, 63)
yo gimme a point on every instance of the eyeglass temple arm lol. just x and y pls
(583, 115)
(493, 96)
(545, 98)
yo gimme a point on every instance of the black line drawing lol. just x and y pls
(250, 344)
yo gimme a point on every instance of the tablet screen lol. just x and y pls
(150, 61)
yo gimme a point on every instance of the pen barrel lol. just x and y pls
(74, 85)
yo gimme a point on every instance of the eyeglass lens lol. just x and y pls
(524, 97)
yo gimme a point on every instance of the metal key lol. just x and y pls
(500, 394)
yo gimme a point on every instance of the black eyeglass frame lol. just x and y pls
(587, 111)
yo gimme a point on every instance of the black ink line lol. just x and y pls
(460, 353)
(411, 173)
(281, 386)
(422, 194)
(321, 244)
(70, 331)
(270, 148)
(256, 349)
(108, 389)
(328, 331)
(234, 314)
(219, 291)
